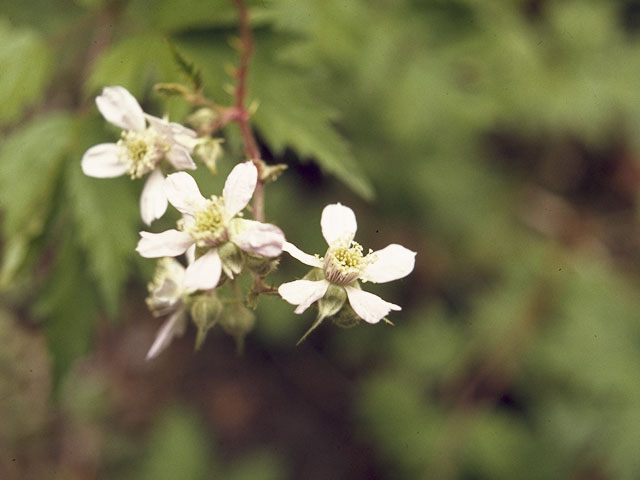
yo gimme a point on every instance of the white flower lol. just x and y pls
(344, 264)
(140, 149)
(210, 222)
(167, 293)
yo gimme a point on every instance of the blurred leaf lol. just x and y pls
(30, 162)
(136, 63)
(107, 219)
(258, 466)
(179, 448)
(289, 116)
(192, 73)
(68, 306)
(25, 63)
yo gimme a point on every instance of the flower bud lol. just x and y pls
(231, 258)
(205, 311)
(261, 265)
(209, 151)
(202, 118)
(237, 321)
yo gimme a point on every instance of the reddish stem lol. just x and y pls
(242, 114)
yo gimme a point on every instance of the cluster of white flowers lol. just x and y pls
(215, 238)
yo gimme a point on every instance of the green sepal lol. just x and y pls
(346, 317)
(232, 259)
(263, 266)
(332, 301)
(237, 321)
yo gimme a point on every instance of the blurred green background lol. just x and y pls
(498, 139)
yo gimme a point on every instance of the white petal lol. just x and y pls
(103, 161)
(303, 292)
(153, 201)
(391, 263)
(183, 193)
(179, 157)
(298, 254)
(166, 244)
(173, 327)
(204, 273)
(120, 108)
(256, 237)
(338, 223)
(371, 308)
(168, 129)
(239, 187)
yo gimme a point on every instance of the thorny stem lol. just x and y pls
(242, 114)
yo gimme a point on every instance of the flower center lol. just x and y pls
(141, 151)
(344, 262)
(209, 225)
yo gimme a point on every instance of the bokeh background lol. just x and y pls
(498, 139)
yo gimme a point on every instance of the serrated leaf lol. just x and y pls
(30, 161)
(187, 67)
(135, 63)
(289, 116)
(68, 307)
(25, 63)
(107, 220)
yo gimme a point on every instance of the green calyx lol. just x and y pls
(205, 312)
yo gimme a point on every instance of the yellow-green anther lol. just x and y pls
(209, 225)
(343, 263)
(141, 151)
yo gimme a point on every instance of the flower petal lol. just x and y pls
(239, 187)
(153, 201)
(168, 129)
(103, 161)
(391, 263)
(183, 193)
(165, 244)
(120, 108)
(179, 157)
(256, 237)
(303, 292)
(298, 254)
(170, 329)
(338, 223)
(204, 273)
(371, 308)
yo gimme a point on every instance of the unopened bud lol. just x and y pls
(237, 321)
(202, 118)
(209, 151)
(205, 312)
(231, 258)
(261, 265)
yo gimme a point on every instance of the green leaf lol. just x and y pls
(194, 75)
(179, 448)
(107, 220)
(290, 116)
(68, 306)
(134, 63)
(25, 63)
(30, 161)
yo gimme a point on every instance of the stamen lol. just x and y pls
(344, 262)
(209, 225)
(141, 151)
